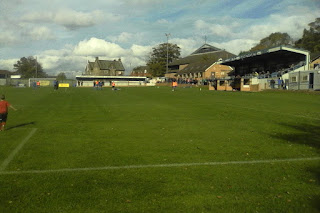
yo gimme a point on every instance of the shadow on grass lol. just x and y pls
(309, 135)
(20, 125)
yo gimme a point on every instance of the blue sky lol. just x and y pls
(65, 34)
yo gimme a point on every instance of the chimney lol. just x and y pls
(97, 58)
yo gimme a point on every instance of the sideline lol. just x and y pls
(6, 162)
(159, 166)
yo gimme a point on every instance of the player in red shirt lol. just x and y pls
(4, 111)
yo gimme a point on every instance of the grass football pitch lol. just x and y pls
(154, 150)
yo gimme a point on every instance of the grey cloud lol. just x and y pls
(68, 18)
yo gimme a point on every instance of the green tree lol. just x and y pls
(158, 58)
(310, 39)
(243, 53)
(273, 40)
(29, 68)
(61, 76)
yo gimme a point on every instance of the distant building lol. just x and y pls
(4, 76)
(141, 71)
(197, 64)
(105, 68)
(315, 63)
(204, 70)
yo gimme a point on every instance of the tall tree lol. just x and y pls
(158, 58)
(29, 68)
(311, 38)
(274, 39)
(61, 76)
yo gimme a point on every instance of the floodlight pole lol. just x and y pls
(167, 34)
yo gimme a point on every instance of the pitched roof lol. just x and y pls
(107, 65)
(315, 56)
(6, 72)
(208, 56)
(200, 66)
(205, 49)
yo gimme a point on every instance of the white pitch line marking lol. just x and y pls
(6, 162)
(158, 166)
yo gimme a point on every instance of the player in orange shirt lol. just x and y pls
(174, 85)
(4, 111)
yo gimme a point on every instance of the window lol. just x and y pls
(246, 82)
(305, 78)
(221, 83)
(222, 73)
(294, 79)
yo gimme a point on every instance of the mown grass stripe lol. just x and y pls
(159, 166)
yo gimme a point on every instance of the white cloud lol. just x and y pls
(124, 37)
(163, 21)
(128, 38)
(99, 47)
(41, 33)
(235, 46)
(187, 45)
(220, 30)
(8, 37)
(7, 64)
(140, 51)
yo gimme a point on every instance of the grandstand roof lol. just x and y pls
(268, 59)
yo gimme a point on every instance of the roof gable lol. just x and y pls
(205, 49)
